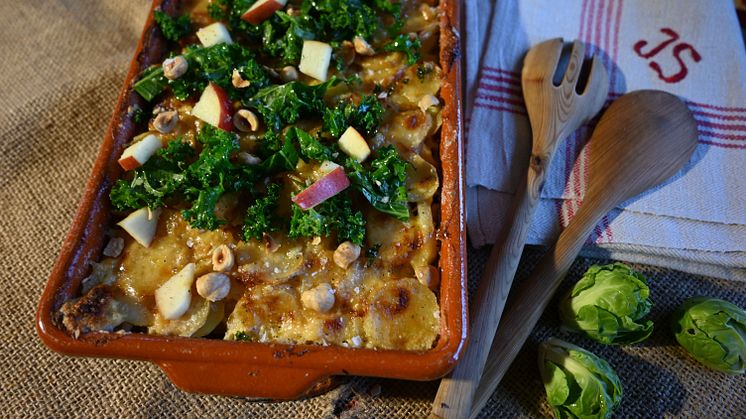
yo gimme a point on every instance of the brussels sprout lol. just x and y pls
(578, 383)
(607, 304)
(713, 332)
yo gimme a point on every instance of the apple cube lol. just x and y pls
(214, 34)
(354, 145)
(138, 153)
(173, 297)
(141, 225)
(314, 59)
(262, 10)
(329, 185)
(214, 107)
(327, 166)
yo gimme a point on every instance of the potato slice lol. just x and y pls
(422, 179)
(263, 312)
(188, 324)
(404, 314)
(408, 128)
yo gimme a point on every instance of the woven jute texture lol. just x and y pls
(61, 66)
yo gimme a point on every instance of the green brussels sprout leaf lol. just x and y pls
(713, 331)
(578, 383)
(607, 304)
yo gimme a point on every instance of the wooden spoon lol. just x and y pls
(644, 138)
(555, 111)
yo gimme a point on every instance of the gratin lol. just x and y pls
(235, 221)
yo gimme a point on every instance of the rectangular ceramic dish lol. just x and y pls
(256, 369)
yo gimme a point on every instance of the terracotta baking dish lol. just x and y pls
(255, 369)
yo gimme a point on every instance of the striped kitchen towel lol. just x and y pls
(695, 222)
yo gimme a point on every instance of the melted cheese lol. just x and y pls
(376, 305)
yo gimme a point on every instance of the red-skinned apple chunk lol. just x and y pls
(326, 187)
(262, 10)
(214, 107)
(138, 153)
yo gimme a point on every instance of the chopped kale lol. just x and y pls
(173, 28)
(161, 176)
(284, 104)
(243, 336)
(212, 64)
(407, 44)
(281, 35)
(384, 184)
(310, 148)
(334, 214)
(364, 117)
(151, 82)
(283, 160)
(261, 215)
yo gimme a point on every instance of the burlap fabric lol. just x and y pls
(61, 66)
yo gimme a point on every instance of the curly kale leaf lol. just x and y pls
(384, 184)
(173, 28)
(212, 64)
(216, 64)
(407, 44)
(283, 160)
(365, 117)
(161, 176)
(261, 215)
(284, 104)
(310, 148)
(334, 214)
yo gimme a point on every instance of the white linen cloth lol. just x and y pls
(695, 222)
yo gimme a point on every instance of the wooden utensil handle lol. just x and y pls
(456, 392)
(531, 299)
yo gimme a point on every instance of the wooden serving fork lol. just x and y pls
(555, 111)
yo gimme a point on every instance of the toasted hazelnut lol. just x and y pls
(213, 286)
(427, 101)
(165, 122)
(320, 298)
(346, 52)
(245, 120)
(175, 67)
(237, 81)
(289, 73)
(248, 158)
(346, 253)
(428, 276)
(362, 46)
(222, 259)
(270, 243)
(114, 248)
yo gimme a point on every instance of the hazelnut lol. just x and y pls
(346, 253)
(175, 67)
(213, 286)
(248, 158)
(362, 46)
(320, 298)
(237, 81)
(245, 120)
(165, 122)
(222, 259)
(289, 73)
